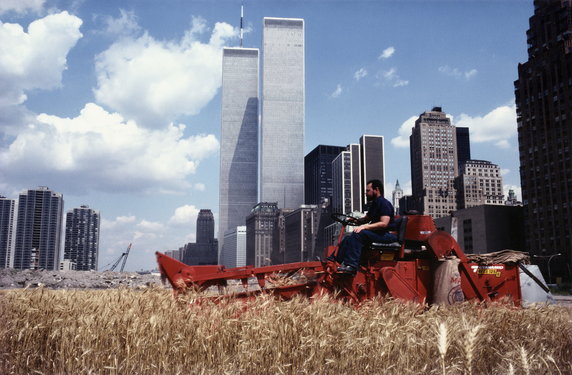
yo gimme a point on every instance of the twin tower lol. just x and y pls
(278, 171)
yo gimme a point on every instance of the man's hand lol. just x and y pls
(360, 228)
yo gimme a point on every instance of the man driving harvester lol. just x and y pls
(375, 226)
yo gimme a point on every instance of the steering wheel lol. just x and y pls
(344, 219)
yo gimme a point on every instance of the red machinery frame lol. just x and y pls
(405, 272)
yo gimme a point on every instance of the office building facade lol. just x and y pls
(38, 229)
(259, 233)
(7, 207)
(480, 182)
(233, 252)
(238, 184)
(81, 244)
(372, 159)
(543, 93)
(486, 228)
(318, 182)
(463, 146)
(434, 163)
(205, 250)
(347, 179)
(282, 115)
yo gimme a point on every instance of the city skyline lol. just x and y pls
(77, 119)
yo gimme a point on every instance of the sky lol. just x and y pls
(116, 103)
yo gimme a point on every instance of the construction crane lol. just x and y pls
(123, 256)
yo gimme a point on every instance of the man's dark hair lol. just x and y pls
(376, 184)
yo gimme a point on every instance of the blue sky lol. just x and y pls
(116, 104)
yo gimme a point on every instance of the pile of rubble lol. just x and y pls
(11, 279)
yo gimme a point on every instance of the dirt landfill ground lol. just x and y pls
(11, 279)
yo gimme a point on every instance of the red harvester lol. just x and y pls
(405, 270)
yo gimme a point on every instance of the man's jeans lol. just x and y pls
(351, 246)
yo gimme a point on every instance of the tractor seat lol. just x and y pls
(393, 246)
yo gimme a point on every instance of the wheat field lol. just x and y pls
(125, 331)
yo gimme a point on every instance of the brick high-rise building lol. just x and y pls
(434, 163)
(543, 95)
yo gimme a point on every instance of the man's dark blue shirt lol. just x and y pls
(381, 207)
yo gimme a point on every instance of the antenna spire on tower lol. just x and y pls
(241, 15)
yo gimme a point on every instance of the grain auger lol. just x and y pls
(425, 265)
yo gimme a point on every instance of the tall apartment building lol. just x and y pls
(396, 196)
(81, 244)
(318, 182)
(282, 130)
(480, 182)
(233, 253)
(373, 164)
(543, 94)
(434, 163)
(7, 207)
(238, 184)
(346, 186)
(259, 232)
(38, 229)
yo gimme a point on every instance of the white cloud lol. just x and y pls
(125, 24)
(36, 58)
(359, 74)
(98, 150)
(387, 53)
(455, 72)
(185, 215)
(199, 186)
(504, 171)
(402, 140)
(118, 222)
(152, 81)
(391, 78)
(150, 226)
(21, 6)
(498, 126)
(337, 92)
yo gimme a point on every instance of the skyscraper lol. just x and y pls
(81, 244)
(282, 131)
(6, 231)
(434, 163)
(346, 185)
(205, 226)
(238, 186)
(318, 173)
(480, 182)
(233, 252)
(543, 94)
(38, 229)
(205, 250)
(373, 165)
(463, 146)
(259, 232)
